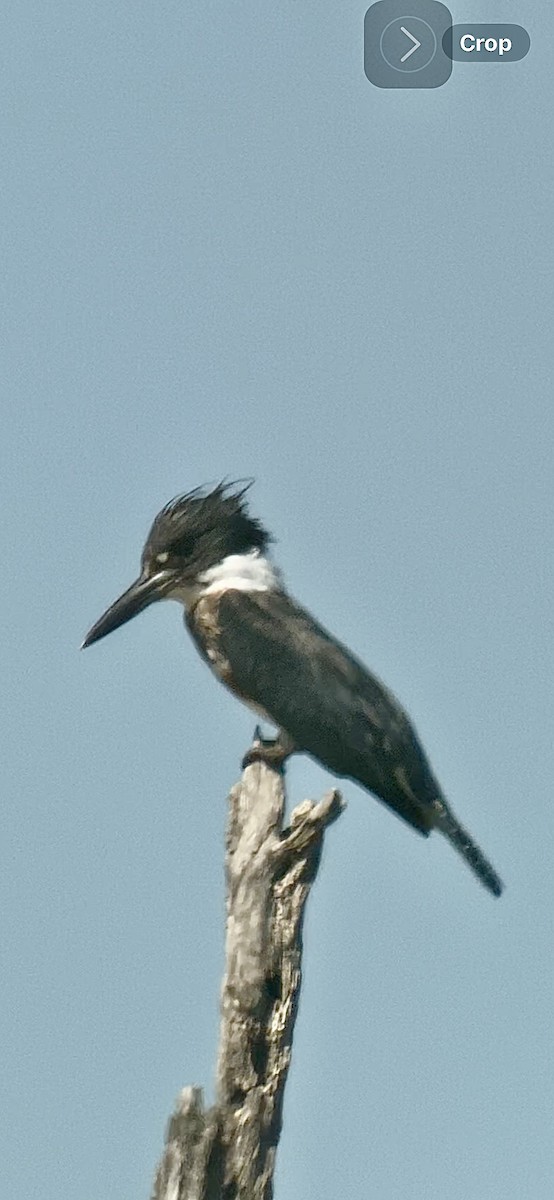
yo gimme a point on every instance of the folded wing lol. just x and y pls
(331, 706)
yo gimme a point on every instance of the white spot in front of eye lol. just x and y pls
(163, 557)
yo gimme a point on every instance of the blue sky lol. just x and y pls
(225, 253)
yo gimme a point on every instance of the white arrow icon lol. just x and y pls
(413, 48)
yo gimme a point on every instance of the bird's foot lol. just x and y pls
(271, 751)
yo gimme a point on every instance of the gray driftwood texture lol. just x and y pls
(227, 1152)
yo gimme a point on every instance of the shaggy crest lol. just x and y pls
(218, 519)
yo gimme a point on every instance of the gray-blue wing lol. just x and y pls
(331, 706)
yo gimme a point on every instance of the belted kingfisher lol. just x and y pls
(206, 551)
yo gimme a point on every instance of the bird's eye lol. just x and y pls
(163, 557)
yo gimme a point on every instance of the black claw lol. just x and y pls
(267, 750)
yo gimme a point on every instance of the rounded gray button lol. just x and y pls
(403, 43)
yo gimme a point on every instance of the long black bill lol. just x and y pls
(142, 592)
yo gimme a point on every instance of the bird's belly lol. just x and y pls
(223, 673)
(202, 625)
(255, 708)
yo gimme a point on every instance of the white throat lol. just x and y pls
(250, 572)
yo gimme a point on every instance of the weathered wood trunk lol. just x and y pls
(227, 1152)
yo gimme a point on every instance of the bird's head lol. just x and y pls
(189, 538)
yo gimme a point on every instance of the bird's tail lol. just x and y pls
(469, 850)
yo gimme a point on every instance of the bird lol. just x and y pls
(206, 551)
